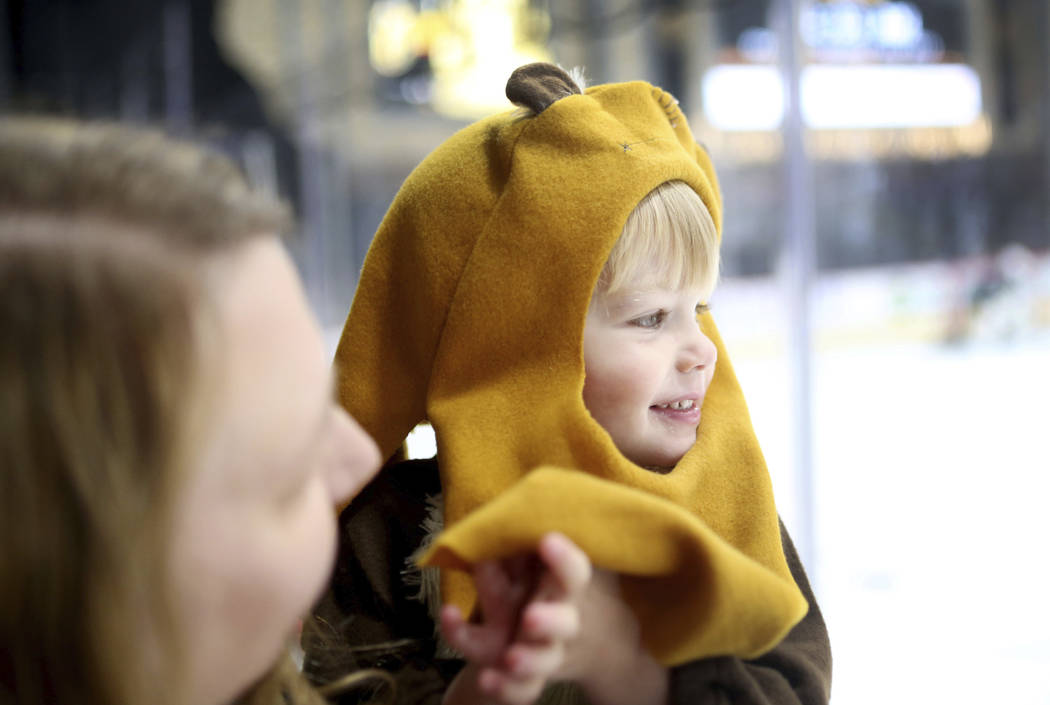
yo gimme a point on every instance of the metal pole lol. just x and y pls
(800, 265)
(178, 66)
(297, 70)
(134, 83)
(6, 73)
(1045, 122)
(341, 265)
(597, 42)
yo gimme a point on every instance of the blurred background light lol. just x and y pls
(456, 55)
(742, 97)
(890, 95)
(394, 37)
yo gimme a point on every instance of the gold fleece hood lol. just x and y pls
(469, 313)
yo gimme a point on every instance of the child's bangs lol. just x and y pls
(669, 241)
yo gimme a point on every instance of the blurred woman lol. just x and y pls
(170, 451)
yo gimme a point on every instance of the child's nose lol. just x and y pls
(697, 351)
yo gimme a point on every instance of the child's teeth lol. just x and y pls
(684, 404)
(677, 405)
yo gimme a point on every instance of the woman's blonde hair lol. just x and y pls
(104, 233)
(669, 240)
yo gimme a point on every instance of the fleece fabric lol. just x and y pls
(373, 616)
(469, 314)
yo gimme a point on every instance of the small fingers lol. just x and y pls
(503, 589)
(493, 586)
(534, 661)
(568, 568)
(550, 621)
(477, 642)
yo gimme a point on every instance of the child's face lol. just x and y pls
(647, 369)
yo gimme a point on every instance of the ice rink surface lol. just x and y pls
(931, 482)
(930, 418)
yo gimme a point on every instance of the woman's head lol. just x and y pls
(647, 365)
(253, 539)
(167, 424)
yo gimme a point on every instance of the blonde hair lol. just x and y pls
(104, 231)
(669, 240)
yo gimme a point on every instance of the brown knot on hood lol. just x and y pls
(536, 86)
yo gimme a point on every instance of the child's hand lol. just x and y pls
(530, 606)
(546, 618)
(607, 658)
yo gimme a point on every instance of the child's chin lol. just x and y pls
(658, 469)
(662, 463)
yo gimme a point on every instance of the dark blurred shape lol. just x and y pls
(148, 61)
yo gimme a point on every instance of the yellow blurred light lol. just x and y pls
(472, 47)
(431, 25)
(487, 40)
(393, 42)
(448, 52)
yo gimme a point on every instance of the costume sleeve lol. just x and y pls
(369, 618)
(796, 672)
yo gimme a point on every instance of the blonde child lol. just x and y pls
(538, 291)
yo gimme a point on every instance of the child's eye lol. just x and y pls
(650, 320)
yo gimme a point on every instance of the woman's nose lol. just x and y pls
(355, 457)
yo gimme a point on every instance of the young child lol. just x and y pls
(538, 293)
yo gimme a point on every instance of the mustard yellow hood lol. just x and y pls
(470, 312)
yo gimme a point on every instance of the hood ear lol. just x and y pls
(536, 86)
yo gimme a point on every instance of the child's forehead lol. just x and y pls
(639, 293)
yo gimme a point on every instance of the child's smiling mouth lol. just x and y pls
(677, 405)
(683, 411)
